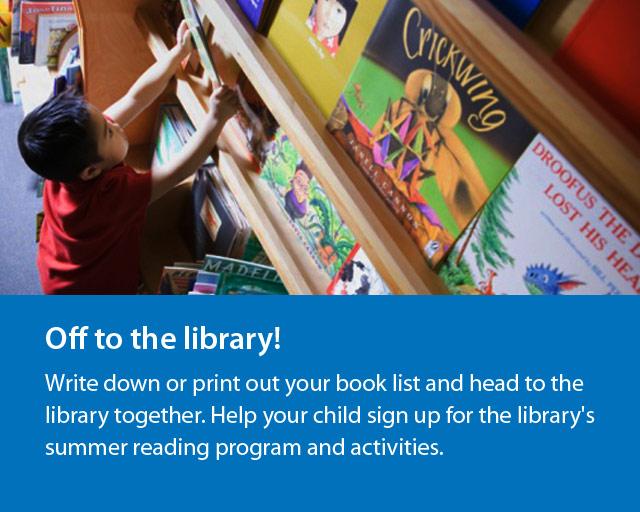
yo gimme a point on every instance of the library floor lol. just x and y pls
(18, 208)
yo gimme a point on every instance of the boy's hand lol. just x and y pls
(184, 42)
(223, 104)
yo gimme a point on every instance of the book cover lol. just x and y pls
(200, 39)
(168, 141)
(206, 283)
(255, 253)
(254, 10)
(256, 122)
(307, 207)
(358, 276)
(234, 284)
(426, 127)
(15, 28)
(545, 231)
(217, 229)
(177, 280)
(5, 28)
(29, 13)
(602, 54)
(52, 32)
(321, 40)
(221, 265)
(519, 12)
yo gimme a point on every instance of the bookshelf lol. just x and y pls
(582, 130)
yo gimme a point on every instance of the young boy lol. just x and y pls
(94, 204)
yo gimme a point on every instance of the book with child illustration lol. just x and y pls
(545, 231)
(321, 40)
(307, 207)
(426, 127)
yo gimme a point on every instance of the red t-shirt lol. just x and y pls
(90, 237)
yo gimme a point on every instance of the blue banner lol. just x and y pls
(284, 403)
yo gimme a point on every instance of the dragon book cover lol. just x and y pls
(427, 127)
(307, 206)
(545, 231)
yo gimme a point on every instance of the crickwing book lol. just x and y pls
(427, 127)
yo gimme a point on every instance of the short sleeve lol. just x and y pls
(125, 193)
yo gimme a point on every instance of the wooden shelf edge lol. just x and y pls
(287, 253)
(387, 244)
(597, 145)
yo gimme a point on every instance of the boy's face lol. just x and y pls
(110, 138)
(331, 17)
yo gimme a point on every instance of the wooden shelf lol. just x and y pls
(296, 267)
(364, 211)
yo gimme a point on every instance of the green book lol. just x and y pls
(222, 265)
(5, 78)
(233, 284)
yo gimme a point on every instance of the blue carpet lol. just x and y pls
(18, 208)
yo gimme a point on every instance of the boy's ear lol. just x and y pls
(90, 173)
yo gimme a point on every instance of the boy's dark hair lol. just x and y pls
(55, 139)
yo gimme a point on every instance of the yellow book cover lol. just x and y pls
(5, 28)
(321, 40)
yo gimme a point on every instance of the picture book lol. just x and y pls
(602, 53)
(168, 141)
(255, 253)
(220, 227)
(15, 28)
(519, 12)
(321, 40)
(358, 276)
(427, 128)
(257, 11)
(5, 28)
(545, 231)
(233, 284)
(52, 32)
(256, 122)
(5, 78)
(220, 265)
(200, 39)
(206, 283)
(29, 14)
(307, 207)
(177, 280)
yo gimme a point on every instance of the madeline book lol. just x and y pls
(29, 13)
(307, 207)
(234, 284)
(321, 40)
(545, 231)
(222, 265)
(427, 128)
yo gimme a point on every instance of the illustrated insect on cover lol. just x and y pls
(307, 207)
(545, 231)
(427, 128)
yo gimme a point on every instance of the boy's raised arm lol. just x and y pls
(153, 81)
(222, 106)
